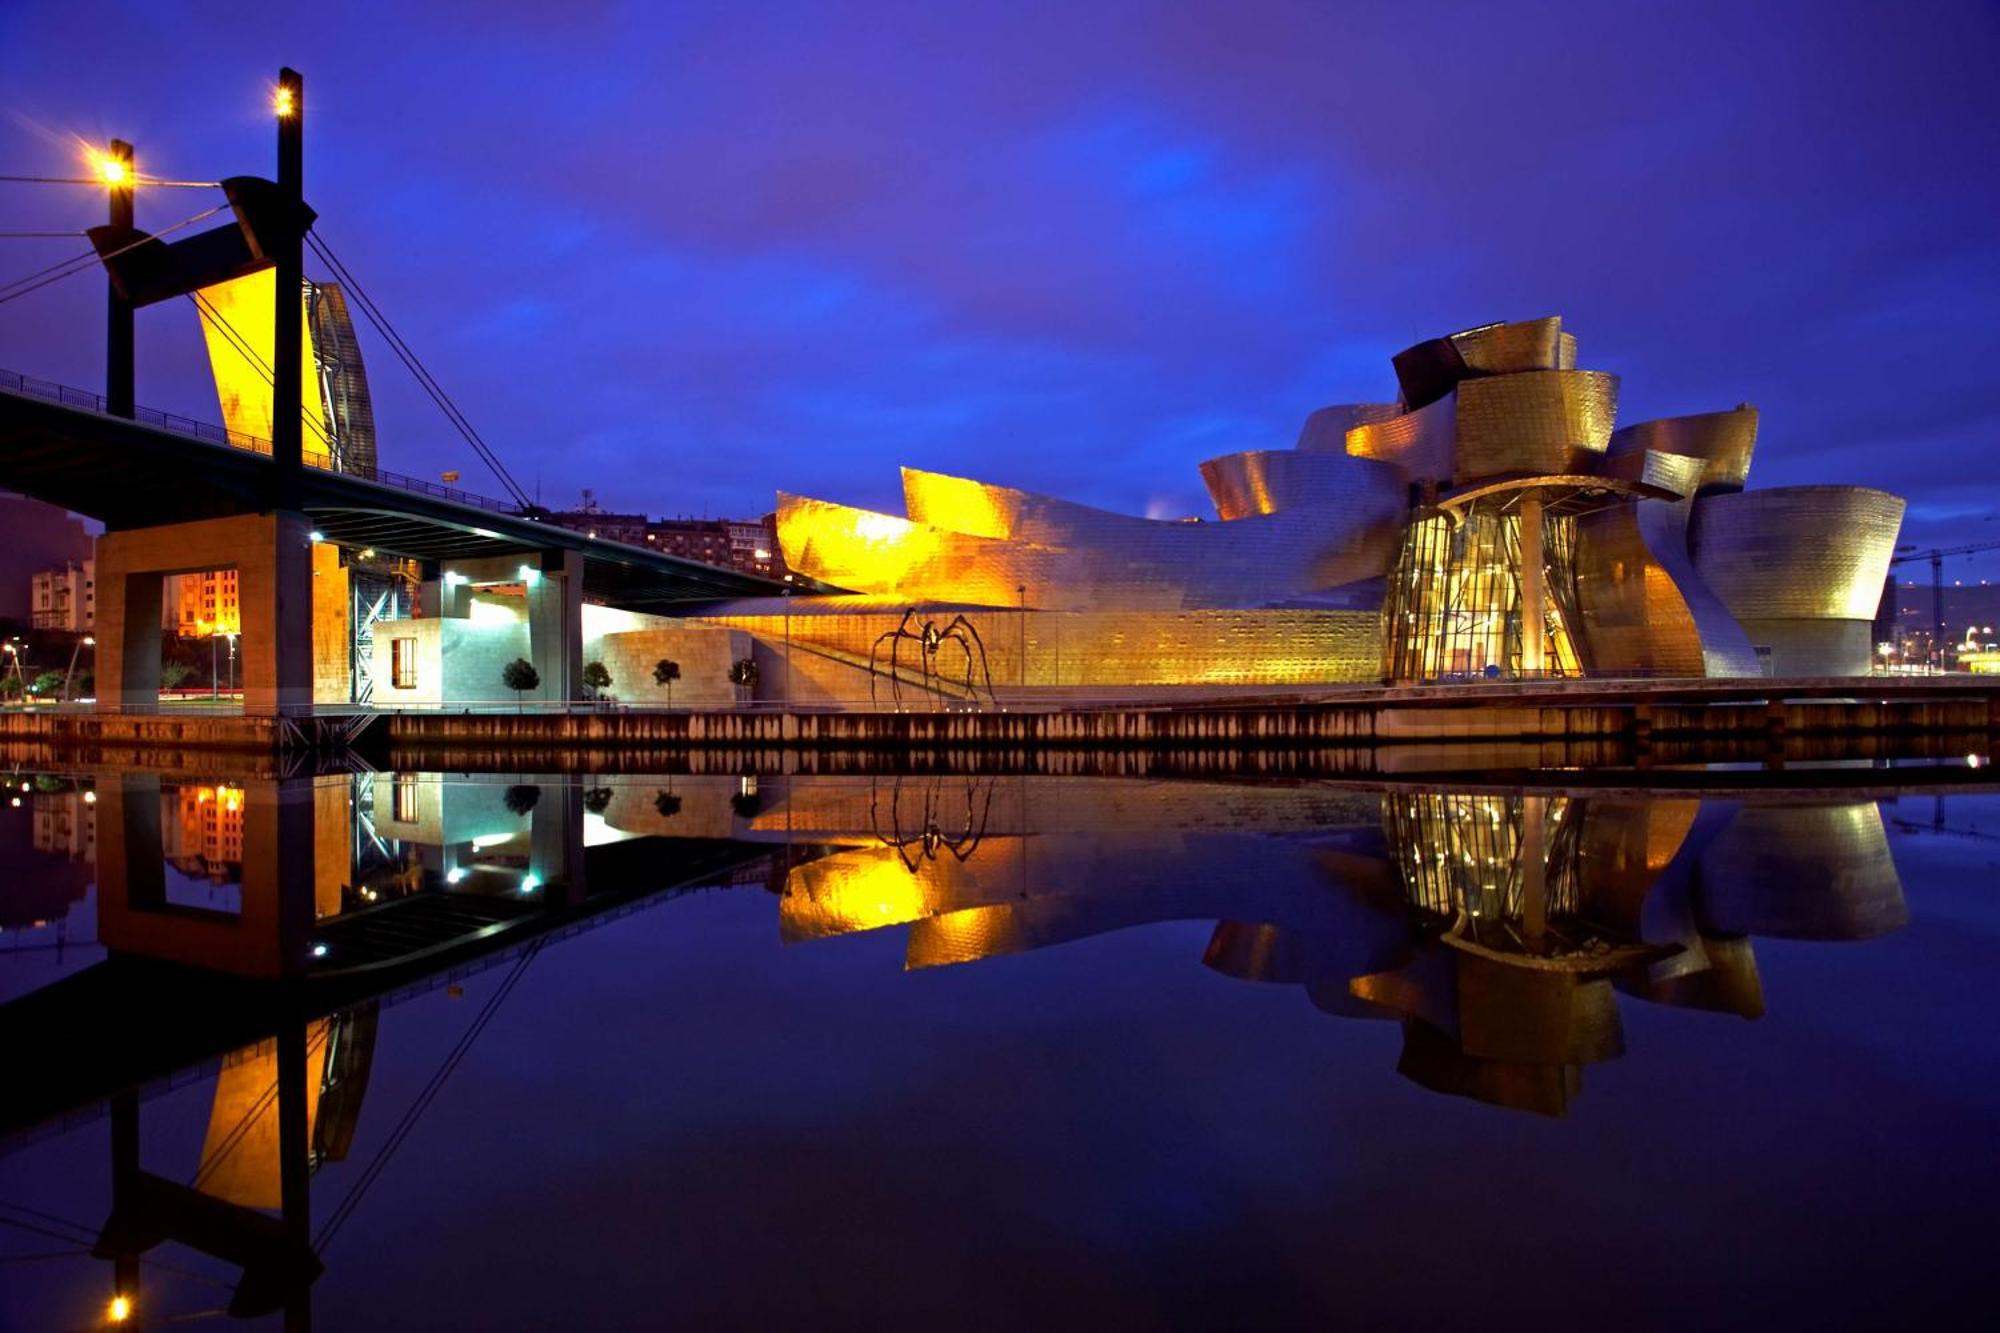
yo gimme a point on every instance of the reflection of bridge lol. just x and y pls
(284, 990)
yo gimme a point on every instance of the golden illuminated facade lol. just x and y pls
(337, 414)
(1493, 522)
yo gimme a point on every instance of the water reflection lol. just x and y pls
(1496, 927)
(257, 931)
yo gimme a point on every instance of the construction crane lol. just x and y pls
(1936, 556)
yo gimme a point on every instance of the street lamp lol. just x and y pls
(1021, 649)
(788, 642)
(87, 641)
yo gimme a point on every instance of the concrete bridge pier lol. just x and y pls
(272, 556)
(555, 844)
(294, 848)
(555, 624)
(552, 609)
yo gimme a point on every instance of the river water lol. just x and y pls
(433, 1051)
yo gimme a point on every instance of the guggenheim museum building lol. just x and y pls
(1493, 521)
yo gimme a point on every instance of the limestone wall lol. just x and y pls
(704, 653)
(458, 661)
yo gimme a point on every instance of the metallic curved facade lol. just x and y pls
(1551, 421)
(1723, 441)
(1801, 872)
(1433, 368)
(1797, 552)
(1538, 421)
(1325, 431)
(1270, 481)
(1645, 608)
(1495, 519)
(971, 542)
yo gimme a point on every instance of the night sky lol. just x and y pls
(689, 254)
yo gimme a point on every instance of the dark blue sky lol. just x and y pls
(689, 254)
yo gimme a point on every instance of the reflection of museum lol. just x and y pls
(1497, 928)
(1490, 521)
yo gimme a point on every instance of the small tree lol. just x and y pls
(667, 804)
(523, 799)
(596, 799)
(665, 672)
(743, 673)
(520, 676)
(48, 685)
(597, 676)
(174, 674)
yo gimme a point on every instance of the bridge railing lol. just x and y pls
(208, 432)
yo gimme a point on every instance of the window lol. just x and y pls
(403, 799)
(403, 663)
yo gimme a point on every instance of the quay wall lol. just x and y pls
(1327, 724)
(1358, 720)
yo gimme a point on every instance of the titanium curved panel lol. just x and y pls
(1546, 421)
(1797, 552)
(1325, 431)
(1420, 442)
(1723, 441)
(1266, 481)
(1432, 368)
(1502, 349)
(1645, 607)
(1815, 647)
(876, 553)
(1801, 872)
(1343, 535)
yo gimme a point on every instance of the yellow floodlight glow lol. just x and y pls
(281, 102)
(109, 169)
(119, 1310)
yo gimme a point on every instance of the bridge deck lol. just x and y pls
(56, 445)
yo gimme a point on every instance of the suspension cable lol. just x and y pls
(101, 183)
(254, 359)
(373, 1171)
(78, 263)
(416, 367)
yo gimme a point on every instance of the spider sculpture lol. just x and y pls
(930, 641)
(930, 838)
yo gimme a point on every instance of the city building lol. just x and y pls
(750, 545)
(1971, 617)
(65, 598)
(204, 604)
(40, 537)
